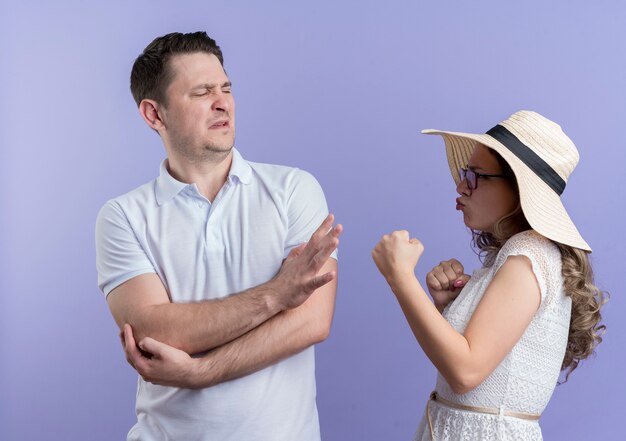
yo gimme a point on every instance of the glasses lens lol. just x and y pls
(471, 179)
(470, 176)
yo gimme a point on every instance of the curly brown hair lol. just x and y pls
(585, 330)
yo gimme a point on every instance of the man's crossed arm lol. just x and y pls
(244, 332)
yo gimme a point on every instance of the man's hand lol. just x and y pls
(445, 282)
(159, 363)
(298, 278)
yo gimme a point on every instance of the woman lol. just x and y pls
(501, 338)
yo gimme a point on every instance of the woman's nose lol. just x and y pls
(463, 188)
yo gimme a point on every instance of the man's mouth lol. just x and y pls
(220, 124)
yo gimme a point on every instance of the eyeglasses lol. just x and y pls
(472, 177)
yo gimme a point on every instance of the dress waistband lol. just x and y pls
(488, 410)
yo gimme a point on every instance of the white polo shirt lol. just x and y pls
(202, 250)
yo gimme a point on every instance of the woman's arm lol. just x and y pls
(497, 324)
(445, 282)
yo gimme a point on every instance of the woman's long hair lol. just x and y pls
(585, 330)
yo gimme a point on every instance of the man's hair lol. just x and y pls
(151, 73)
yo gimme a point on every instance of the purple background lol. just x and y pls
(340, 89)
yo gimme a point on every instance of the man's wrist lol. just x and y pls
(202, 372)
(271, 295)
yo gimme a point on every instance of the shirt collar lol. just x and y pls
(167, 187)
(240, 168)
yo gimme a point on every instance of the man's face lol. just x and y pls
(199, 118)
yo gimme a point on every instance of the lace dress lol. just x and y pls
(525, 380)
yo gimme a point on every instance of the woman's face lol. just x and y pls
(493, 197)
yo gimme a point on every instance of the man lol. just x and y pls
(217, 257)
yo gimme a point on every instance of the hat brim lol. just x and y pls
(541, 205)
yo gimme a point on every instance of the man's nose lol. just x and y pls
(222, 102)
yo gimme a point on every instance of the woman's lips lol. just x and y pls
(459, 205)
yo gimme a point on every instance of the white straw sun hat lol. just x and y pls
(541, 156)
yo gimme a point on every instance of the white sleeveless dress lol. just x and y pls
(525, 380)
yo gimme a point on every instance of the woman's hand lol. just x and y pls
(396, 255)
(445, 282)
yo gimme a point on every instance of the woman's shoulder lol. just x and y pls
(529, 239)
(545, 259)
(529, 243)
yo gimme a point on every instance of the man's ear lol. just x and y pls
(150, 112)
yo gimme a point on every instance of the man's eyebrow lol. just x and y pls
(212, 85)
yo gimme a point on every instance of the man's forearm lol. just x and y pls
(199, 327)
(278, 338)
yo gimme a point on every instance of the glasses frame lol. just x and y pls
(471, 176)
